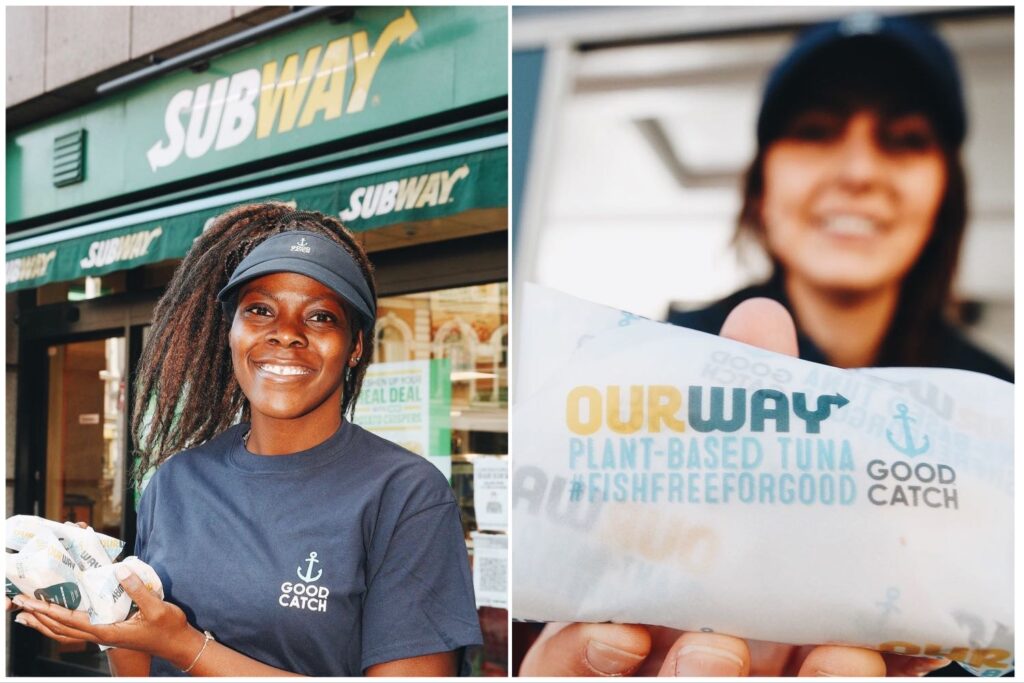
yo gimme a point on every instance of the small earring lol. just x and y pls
(354, 361)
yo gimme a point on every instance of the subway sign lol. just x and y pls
(403, 194)
(425, 191)
(280, 96)
(314, 85)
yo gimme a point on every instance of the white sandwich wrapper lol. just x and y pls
(45, 570)
(109, 600)
(74, 569)
(670, 477)
(86, 545)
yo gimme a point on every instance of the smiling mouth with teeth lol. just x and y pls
(850, 226)
(284, 369)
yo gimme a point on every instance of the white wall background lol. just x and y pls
(49, 48)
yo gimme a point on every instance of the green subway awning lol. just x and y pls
(415, 187)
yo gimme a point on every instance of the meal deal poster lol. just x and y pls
(409, 403)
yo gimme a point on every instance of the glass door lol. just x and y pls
(85, 451)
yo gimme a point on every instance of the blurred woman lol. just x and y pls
(857, 192)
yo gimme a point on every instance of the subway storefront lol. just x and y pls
(393, 119)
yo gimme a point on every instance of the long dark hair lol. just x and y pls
(855, 76)
(185, 390)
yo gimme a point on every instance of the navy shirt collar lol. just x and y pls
(317, 456)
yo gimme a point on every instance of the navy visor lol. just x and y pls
(309, 254)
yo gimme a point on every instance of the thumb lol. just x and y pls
(587, 650)
(135, 588)
(764, 323)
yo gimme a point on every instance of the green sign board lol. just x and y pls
(433, 189)
(316, 84)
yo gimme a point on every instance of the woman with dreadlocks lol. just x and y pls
(288, 540)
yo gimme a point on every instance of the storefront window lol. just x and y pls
(439, 386)
(468, 328)
(392, 343)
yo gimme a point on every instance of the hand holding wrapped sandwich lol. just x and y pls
(65, 580)
(633, 649)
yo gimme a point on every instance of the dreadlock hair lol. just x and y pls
(185, 389)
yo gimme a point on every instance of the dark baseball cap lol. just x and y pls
(309, 254)
(907, 43)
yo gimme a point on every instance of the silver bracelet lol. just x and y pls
(207, 637)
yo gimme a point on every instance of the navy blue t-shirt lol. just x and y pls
(322, 562)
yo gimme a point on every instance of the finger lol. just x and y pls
(147, 600)
(68, 621)
(796, 659)
(662, 640)
(29, 604)
(764, 323)
(707, 654)
(73, 618)
(845, 662)
(902, 665)
(769, 659)
(30, 621)
(63, 630)
(587, 650)
(51, 608)
(9, 606)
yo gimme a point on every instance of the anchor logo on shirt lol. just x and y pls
(308, 576)
(909, 447)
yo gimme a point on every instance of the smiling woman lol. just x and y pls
(829, 232)
(292, 332)
(295, 340)
(288, 540)
(857, 192)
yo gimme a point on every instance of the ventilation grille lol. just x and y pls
(69, 159)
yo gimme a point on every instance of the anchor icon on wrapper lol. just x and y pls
(908, 447)
(308, 576)
(888, 606)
